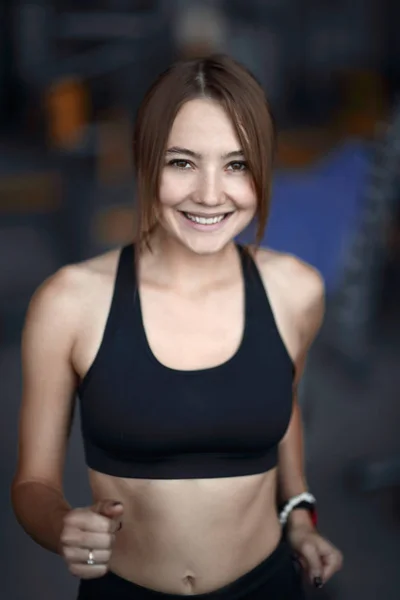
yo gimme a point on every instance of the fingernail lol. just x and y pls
(116, 504)
(318, 582)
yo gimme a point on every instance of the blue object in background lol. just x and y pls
(315, 212)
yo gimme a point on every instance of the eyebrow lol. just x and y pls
(176, 150)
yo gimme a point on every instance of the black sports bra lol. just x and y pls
(141, 419)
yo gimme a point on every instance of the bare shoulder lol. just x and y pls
(291, 272)
(63, 297)
(299, 285)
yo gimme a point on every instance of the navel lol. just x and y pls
(189, 584)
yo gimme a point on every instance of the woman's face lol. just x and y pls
(206, 194)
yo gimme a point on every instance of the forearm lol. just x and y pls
(40, 510)
(291, 473)
(292, 480)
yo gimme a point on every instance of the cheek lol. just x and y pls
(174, 187)
(242, 191)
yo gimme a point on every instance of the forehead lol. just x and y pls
(203, 122)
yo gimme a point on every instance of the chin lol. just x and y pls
(203, 246)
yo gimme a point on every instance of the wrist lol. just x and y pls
(300, 518)
(56, 521)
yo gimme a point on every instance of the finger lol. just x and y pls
(115, 525)
(88, 572)
(81, 555)
(310, 554)
(109, 508)
(302, 562)
(331, 557)
(86, 539)
(332, 563)
(87, 520)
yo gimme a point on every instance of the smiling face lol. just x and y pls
(206, 193)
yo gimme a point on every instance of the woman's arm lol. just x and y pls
(49, 384)
(291, 474)
(308, 310)
(319, 558)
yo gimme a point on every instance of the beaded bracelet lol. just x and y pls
(305, 501)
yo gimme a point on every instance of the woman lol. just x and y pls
(185, 350)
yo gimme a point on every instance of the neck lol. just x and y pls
(170, 261)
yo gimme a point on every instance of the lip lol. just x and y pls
(207, 215)
(205, 228)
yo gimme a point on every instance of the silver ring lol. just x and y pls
(90, 561)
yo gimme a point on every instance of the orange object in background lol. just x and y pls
(114, 226)
(114, 148)
(364, 103)
(67, 110)
(29, 192)
(301, 148)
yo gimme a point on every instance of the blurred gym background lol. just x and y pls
(71, 77)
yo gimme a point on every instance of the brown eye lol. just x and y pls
(179, 163)
(238, 165)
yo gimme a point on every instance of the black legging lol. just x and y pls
(277, 578)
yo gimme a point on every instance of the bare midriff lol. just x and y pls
(191, 536)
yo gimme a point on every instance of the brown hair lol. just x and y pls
(220, 78)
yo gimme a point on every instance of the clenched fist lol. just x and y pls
(88, 537)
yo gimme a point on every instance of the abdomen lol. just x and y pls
(210, 531)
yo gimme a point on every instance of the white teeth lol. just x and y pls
(204, 220)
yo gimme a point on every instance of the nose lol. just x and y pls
(210, 190)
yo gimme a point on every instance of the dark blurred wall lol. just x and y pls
(391, 42)
(10, 93)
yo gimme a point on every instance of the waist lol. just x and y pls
(208, 532)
